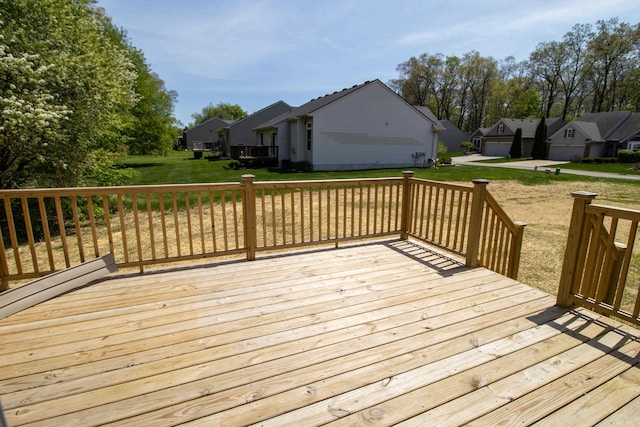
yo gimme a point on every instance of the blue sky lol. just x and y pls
(254, 53)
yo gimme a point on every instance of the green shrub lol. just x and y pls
(587, 160)
(626, 156)
(468, 146)
(235, 165)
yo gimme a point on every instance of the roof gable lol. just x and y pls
(261, 115)
(323, 101)
(213, 122)
(607, 122)
(528, 126)
(452, 134)
(628, 129)
(589, 129)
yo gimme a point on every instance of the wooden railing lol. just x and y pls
(465, 220)
(44, 230)
(601, 268)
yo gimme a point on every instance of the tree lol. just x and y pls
(221, 110)
(539, 149)
(151, 127)
(478, 76)
(546, 62)
(414, 83)
(64, 86)
(516, 146)
(574, 45)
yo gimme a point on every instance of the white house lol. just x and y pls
(366, 126)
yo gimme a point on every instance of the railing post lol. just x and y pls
(405, 219)
(581, 199)
(514, 261)
(249, 215)
(475, 221)
(4, 266)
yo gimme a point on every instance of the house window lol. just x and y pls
(569, 132)
(477, 142)
(500, 128)
(309, 135)
(261, 138)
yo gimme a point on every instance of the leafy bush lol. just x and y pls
(626, 156)
(468, 146)
(442, 150)
(235, 165)
(576, 158)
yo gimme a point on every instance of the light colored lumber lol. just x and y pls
(17, 299)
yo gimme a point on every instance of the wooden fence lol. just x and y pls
(601, 268)
(45, 230)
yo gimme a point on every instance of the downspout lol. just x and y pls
(435, 132)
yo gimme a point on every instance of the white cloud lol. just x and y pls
(243, 50)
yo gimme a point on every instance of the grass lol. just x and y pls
(619, 168)
(179, 167)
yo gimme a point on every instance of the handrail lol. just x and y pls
(601, 268)
(45, 230)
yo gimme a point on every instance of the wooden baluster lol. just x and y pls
(249, 207)
(405, 219)
(580, 201)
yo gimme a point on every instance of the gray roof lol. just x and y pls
(317, 103)
(480, 132)
(311, 106)
(628, 129)
(590, 129)
(528, 126)
(608, 122)
(452, 135)
(429, 114)
(260, 115)
(213, 122)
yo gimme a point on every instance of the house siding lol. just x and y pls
(370, 128)
(241, 133)
(206, 132)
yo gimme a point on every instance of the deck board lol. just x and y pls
(376, 333)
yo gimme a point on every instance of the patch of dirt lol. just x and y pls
(546, 209)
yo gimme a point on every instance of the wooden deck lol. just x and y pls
(371, 334)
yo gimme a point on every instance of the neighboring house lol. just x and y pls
(205, 134)
(452, 137)
(596, 135)
(363, 127)
(236, 136)
(477, 137)
(498, 139)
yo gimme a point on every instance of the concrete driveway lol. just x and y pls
(539, 165)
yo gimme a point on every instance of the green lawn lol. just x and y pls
(621, 168)
(179, 167)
